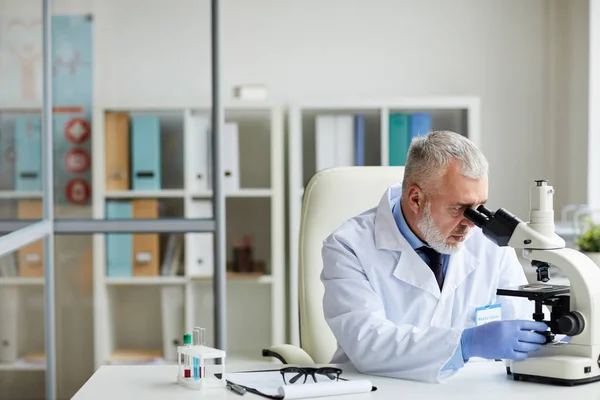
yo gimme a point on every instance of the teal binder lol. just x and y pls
(399, 138)
(145, 147)
(119, 246)
(28, 151)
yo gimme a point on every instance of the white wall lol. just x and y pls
(594, 102)
(527, 60)
(568, 110)
(499, 50)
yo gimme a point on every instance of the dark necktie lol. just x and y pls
(435, 263)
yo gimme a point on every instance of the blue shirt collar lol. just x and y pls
(405, 230)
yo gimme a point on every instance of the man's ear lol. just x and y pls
(416, 199)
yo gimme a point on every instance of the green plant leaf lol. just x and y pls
(589, 241)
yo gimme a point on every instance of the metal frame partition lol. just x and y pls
(20, 233)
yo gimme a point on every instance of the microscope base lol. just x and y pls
(556, 370)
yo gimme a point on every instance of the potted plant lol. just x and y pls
(589, 242)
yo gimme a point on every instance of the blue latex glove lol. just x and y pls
(509, 340)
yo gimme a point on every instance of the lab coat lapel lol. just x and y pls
(460, 265)
(410, 267)
(413, 270)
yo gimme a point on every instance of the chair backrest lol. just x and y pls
(331, 197)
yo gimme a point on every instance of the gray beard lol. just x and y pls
(433, 236)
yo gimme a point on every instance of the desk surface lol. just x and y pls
(480, 380)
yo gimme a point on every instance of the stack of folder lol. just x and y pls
(133, 162)
(403, 127)
(132, 152)
(340, 139)
(199, 151)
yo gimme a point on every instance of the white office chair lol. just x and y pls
(331, 197)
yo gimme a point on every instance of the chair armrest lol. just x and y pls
(288, 354)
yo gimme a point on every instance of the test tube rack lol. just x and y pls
(191, 360)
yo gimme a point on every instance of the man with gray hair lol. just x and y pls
(410, 285)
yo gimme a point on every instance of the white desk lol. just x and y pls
(482, 380)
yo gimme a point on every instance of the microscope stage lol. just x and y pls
(535, 291)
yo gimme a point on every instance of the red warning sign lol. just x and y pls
(77, 130)
(77, 161)
(77, 191)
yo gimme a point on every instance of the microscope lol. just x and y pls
(575, 309)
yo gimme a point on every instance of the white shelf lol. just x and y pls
(250, 193)
(263, 279)
(146, 280)
(158, 361)
(376, 112)
(242, 193)
(400, 102)
(261, 176)
(20, 108)
(237, 277)
(14, 195)
(21, 281)
(22, 365)
(141, 194)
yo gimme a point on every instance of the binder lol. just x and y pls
(28, 151)
(198, 151)
(145, 143)
(116, 148)
(7, 149)
(31, 257)
(359, 140)
(199, 249)
(335, 141)
(325, 142)
(345, 139)
(172, 258)
(420, 124)
(146, 251)
(399, 138)
(119, 246)
(231, 157)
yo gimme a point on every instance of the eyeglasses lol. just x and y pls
(291, 375)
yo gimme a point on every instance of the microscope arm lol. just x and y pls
(543, 247)
(575, 313)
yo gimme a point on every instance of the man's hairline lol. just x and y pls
(434, 182)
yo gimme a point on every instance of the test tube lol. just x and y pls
(202, 337)
(187, 371)
(202, 343)
(197, 342)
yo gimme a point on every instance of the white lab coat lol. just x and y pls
(384, 306)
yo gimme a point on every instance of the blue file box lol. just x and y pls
(420, 124)
(145, 147)
(119, 246)
(28, 151)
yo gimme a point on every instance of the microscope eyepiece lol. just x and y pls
(498, 226)
(485, 211)
(478, 218)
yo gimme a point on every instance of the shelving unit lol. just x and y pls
(21, 271)
(459, 114)
(138, 319)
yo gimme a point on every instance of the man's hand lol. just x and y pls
(510, 340)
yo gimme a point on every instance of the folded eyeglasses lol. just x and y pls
(291, 375)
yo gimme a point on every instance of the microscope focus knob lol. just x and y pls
(571, 324)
